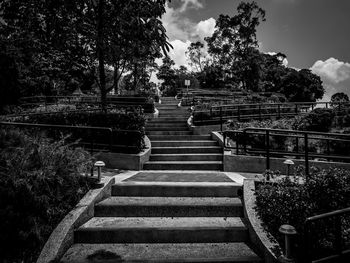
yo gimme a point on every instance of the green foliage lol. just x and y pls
(290, 202)
(40, 183)
(114, 119)
(233, 45)
(339, 97)
(319, 120)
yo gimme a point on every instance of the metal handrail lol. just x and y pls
(258, 111)
(340, 253)
(268, 151)
(109, 132)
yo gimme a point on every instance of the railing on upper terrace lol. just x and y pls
(92, 101)
(330, 227)
(243, 112)
(288, 143)
(94, 139)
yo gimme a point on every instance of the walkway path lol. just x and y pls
(169, 214)
(148, 219)
(174, 147)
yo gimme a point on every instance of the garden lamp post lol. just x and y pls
(288, 231)
(288, 162)
(99, 165)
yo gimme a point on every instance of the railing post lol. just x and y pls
(221, 118)
(267, 149)
(279, 111)
(306, 142)
(338, 235)
(260, 112)
(238, 113)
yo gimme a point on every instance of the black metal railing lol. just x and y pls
(273, 143)
(94, 139)
(336, 226)
(82, 101)
(244, 112)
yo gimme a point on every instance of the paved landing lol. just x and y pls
(179, 177)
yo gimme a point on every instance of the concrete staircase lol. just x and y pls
(173, 145)
(165, 222)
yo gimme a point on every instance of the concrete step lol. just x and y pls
(167, 128)
(169, 207)
(173, 150)
(176, 189)
(171, 119)
(186, 157)
(183, 165)
(183, 143)
(167, 253)
(166, 124)
(167, 133)
(161, 230)
(162, 107)
(158, 121)
(179, 137)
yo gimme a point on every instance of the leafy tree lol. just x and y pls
(339, 97)
(234, 43)
(197, 57)
(300, 85)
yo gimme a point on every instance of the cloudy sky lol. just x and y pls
(313, 34)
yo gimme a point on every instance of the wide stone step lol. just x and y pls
(186, 157)
(167, 124)
(167, 133)
(169, 207)
(156, 253)
(162, 107)
(183, 143)
(161, 230)
(173, 150)
(166, 128)
(171, 119)
(179, 137)
(183, 165)
(176, 189)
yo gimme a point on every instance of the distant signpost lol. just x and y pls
(187, 84)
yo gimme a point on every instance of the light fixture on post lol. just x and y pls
(99, 165)
(288, 231)
(288, 162)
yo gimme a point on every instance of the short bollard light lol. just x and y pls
(288, 162)
(99, 165)
(288, 231)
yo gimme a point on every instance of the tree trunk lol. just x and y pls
(101, 56)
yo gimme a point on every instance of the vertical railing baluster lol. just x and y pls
(306, 143)
(267, 149)
(221, 118)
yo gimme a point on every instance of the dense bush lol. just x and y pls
(117, 120)
(319, 120)
(40, 182)
(290, 202)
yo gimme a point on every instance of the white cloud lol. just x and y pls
(182, 31)
(284, 62)
(205, 28)
(190, 3)
(178, 53)
(335, 75)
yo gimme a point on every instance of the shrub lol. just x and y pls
(319, 120)
(117, 120)
(40, 182)
(290, 202)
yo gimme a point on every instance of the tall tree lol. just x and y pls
(196, 56)
(233, 44)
